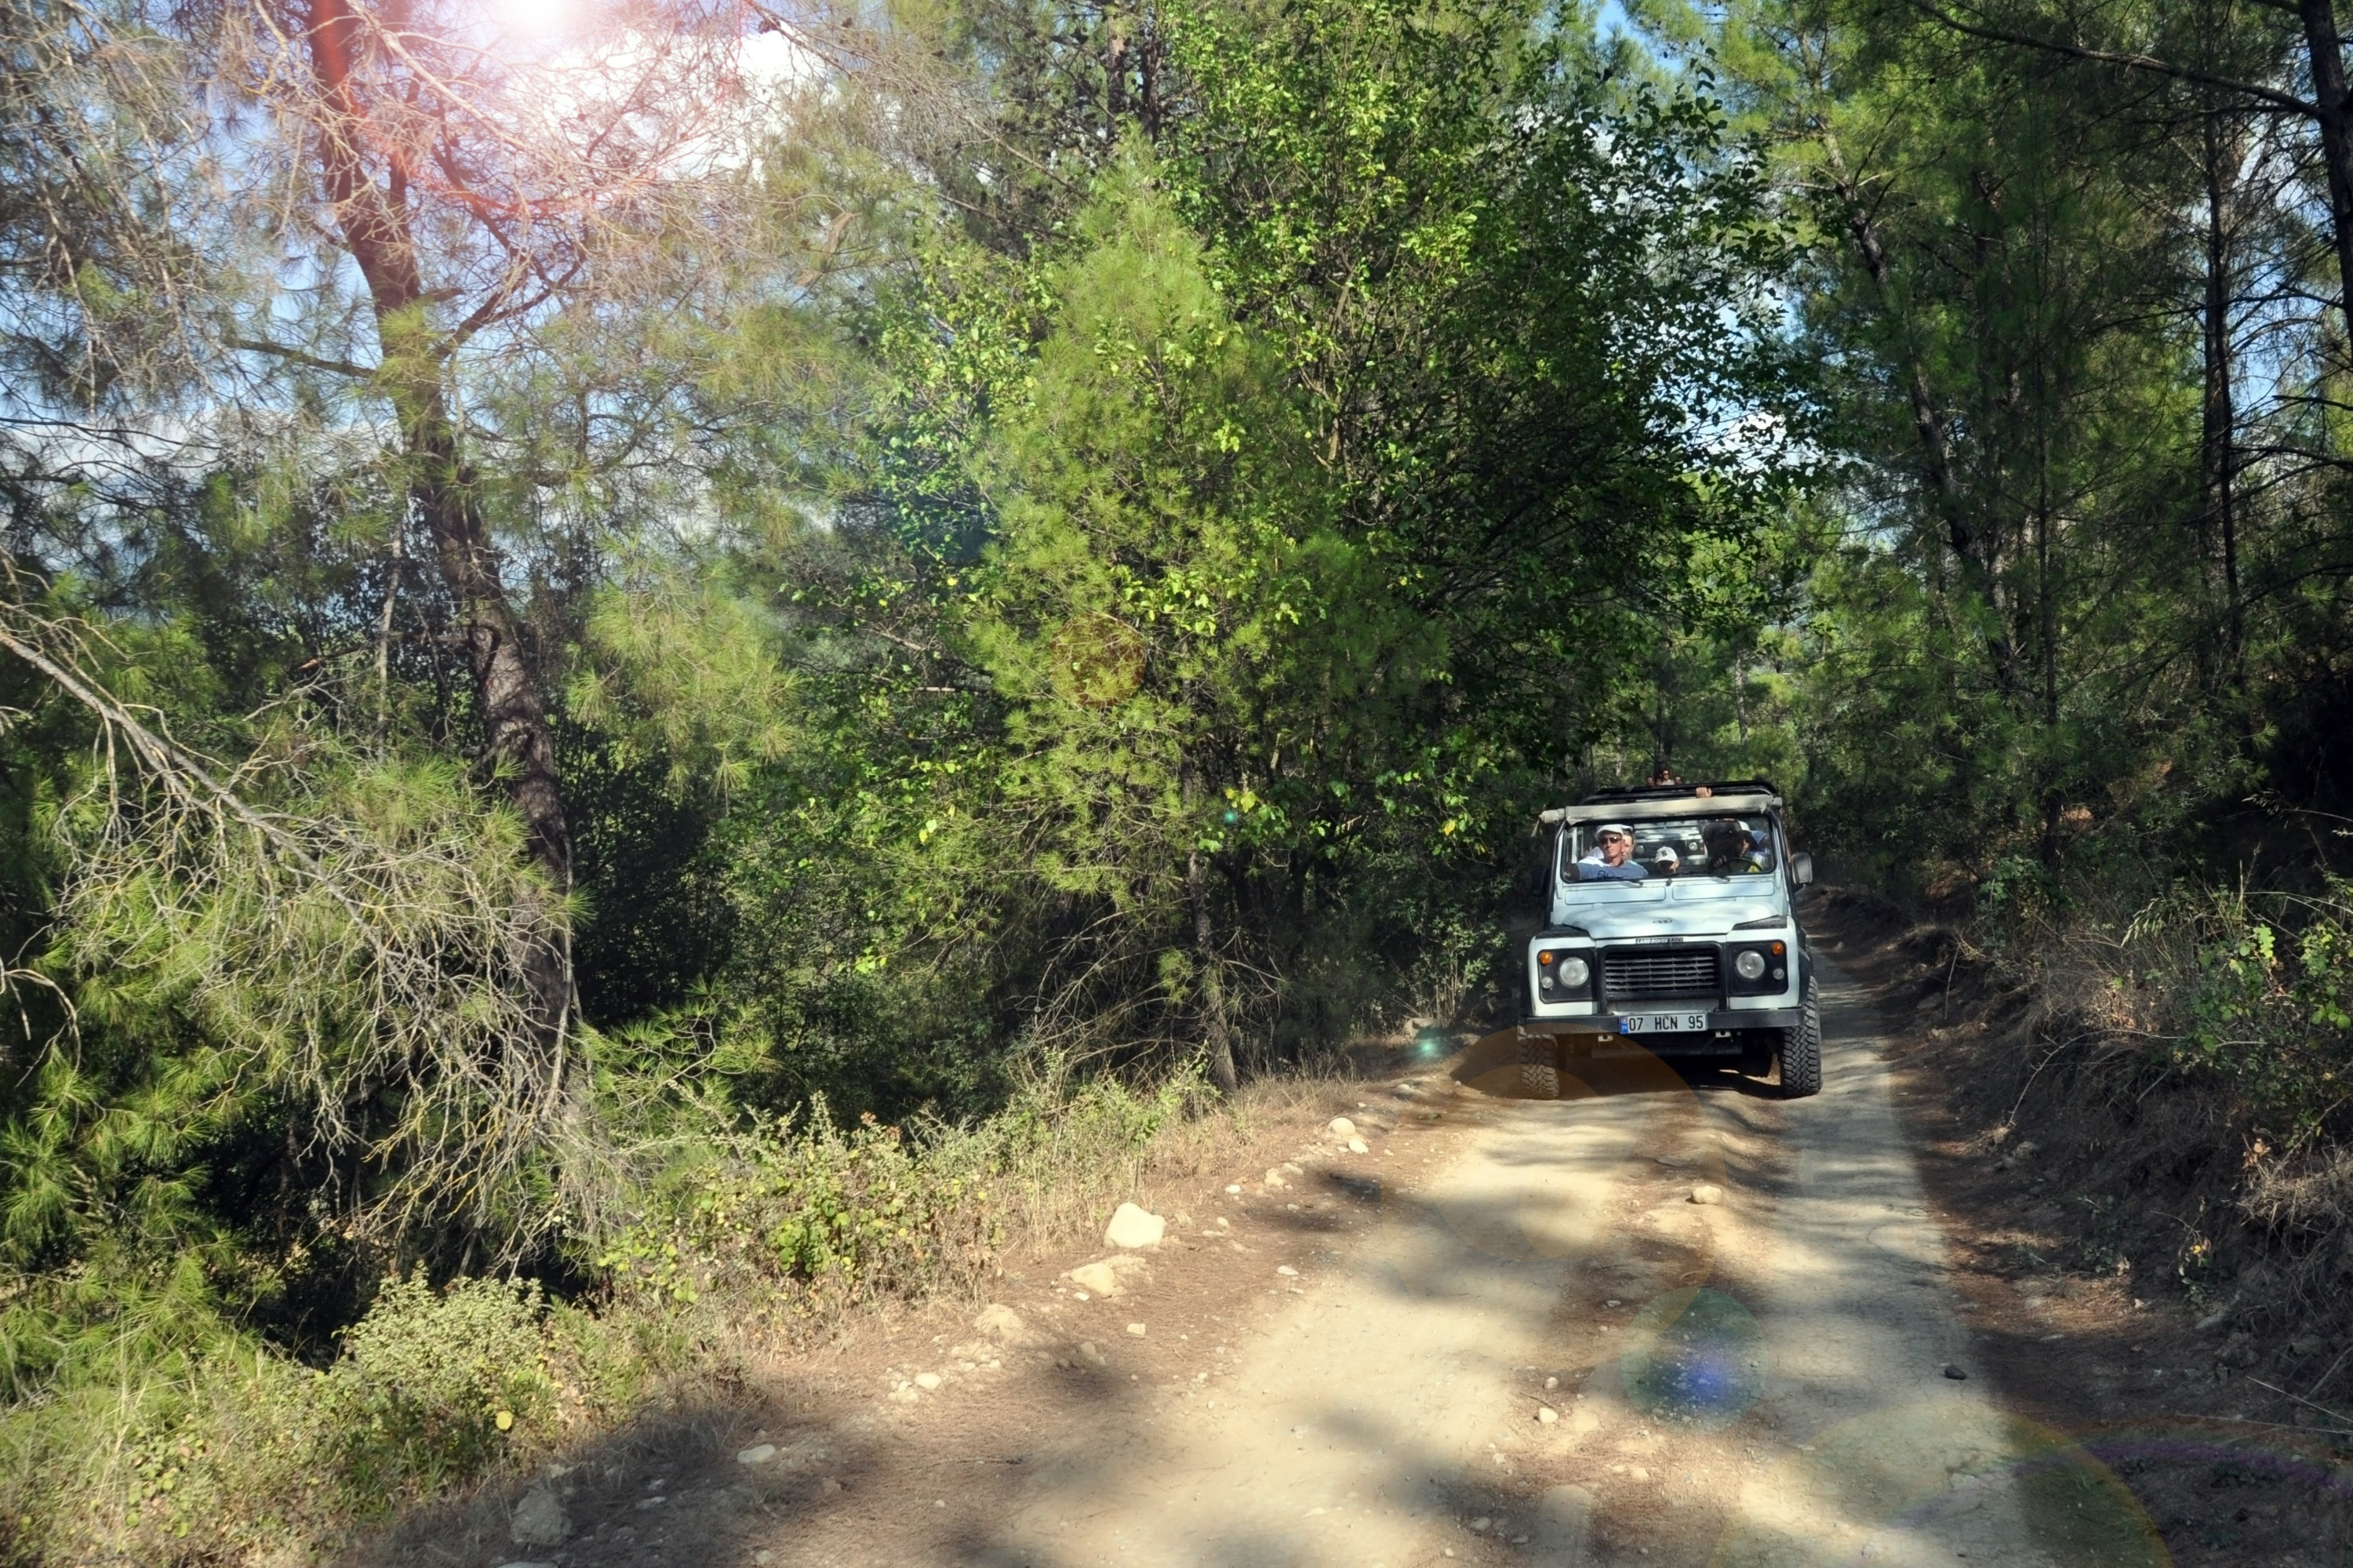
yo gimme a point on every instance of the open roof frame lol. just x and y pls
(1651, 803)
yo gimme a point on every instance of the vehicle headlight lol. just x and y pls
(1574, 972)
(1749, 965)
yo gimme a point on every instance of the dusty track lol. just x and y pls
(1356, 1369)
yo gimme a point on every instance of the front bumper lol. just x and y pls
(1581, 1034)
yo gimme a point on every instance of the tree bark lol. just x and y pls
(378, 232)
(2325, 50)
(1216, 1026)
(2218, 445)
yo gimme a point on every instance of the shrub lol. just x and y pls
(232, 1450)
(430, 1382)
(798, 1218)
(2265, 1001)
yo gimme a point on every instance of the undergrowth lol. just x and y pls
(2184, 1056)
(149, 1428)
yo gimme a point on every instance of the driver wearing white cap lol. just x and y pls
(1611, 858)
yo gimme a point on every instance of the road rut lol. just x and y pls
(1394, 1412)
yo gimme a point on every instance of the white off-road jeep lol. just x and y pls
(1671, 929)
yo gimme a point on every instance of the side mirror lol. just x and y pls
(1802, 870)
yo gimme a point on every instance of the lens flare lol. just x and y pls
(1937, 1482)
(1695, 1357)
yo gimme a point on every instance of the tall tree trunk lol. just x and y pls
(2046, 611)
(1216, 1025)
(377, 229)
(1975, 549)
(1147, 67)
(2218, 445)
(1115, 74)
(2325, 50)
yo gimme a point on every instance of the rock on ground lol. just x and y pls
(1004, 1325)
(538, 1518)
(1133, 1227)
(1109, 1275)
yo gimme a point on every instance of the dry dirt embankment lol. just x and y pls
(2075, 1214)
(1502, 1332)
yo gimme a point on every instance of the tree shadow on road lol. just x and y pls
(1611, 1067)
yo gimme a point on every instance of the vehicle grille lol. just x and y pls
(1659, 971)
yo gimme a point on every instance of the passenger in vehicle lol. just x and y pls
(1734, 850)
(1728, 849)
(1665, 861)
(1611, 857)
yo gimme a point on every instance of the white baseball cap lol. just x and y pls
(1621, 828)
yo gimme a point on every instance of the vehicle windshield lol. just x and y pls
(1714, 846)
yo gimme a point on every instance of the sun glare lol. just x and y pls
(538, 18)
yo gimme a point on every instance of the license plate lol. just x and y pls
(1662, 1022)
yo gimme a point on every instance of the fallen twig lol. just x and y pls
(2332, 1415)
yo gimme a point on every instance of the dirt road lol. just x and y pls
(1505, 1332)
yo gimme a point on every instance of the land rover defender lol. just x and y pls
(1670, 928)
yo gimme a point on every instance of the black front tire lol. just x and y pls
(1801, 1048)
(1539, 1066)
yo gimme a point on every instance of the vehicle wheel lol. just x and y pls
(1540, 1068)
(1801, 1048)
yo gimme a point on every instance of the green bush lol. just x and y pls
(2269, 1008)
(235, 1450)
(800, 1217)
(430, 1382)
(148, 1429)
